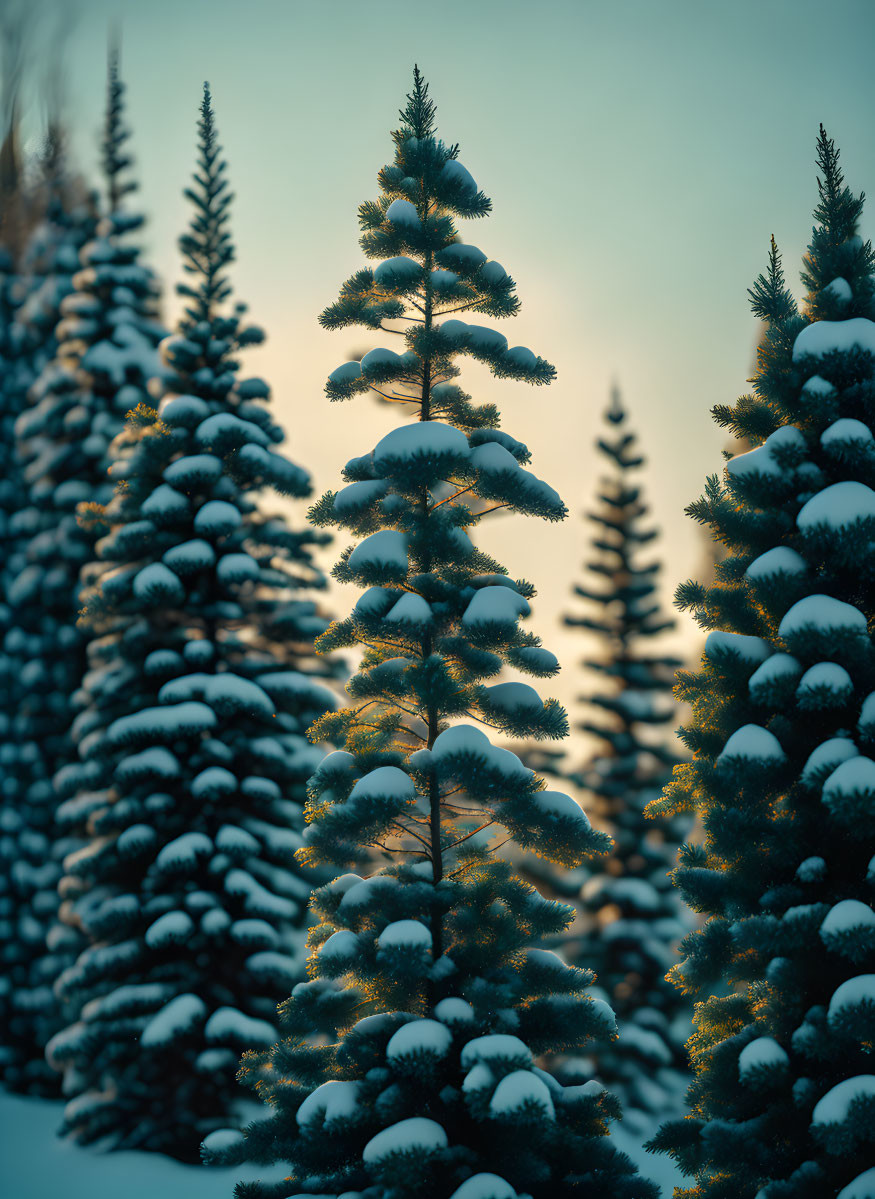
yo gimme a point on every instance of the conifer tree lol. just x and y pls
(408, 1063)
(105, 353)
(635, 915)
(783, 732)
(190, 788)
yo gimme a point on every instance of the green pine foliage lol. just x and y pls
(35, 681)
(408, 1063)
(189, 791)
(783, 737)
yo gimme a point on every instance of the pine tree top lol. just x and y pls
(113, 156)
(418, 114)
(206, 247)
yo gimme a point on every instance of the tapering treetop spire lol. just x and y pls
(113, 158)
(206, 247)
(419, 112)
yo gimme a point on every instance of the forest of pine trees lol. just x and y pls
(323, 889)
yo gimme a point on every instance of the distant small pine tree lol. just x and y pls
(635, 917)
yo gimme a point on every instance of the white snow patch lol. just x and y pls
(495, 606)
(749, 649)
(386, 782)
(838, 506)
(519, 1088)
(847, 916)
(840, 289)
(761, 1053)
(175, 1019)
(828, 675)
(856, 776)
(844, 431)
(851, 994)
(835, 1105)
(333, 1100)
(824, 337)
(823, 613)
(752, 743)
(418, 1037)
(500, 1047)
(411, 934)
(486, 1186)
(416, 1135)
(779, 561)
(402, 212)
(386, 549)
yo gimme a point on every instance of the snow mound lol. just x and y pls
(862, 1187)
(411, 934)
(826, 337)
(846, 431)
(752, 743)
(748, 649)
(486, 1186)
(386, 782)
(495, 606)
(422, 439)
(419, 1037)
(386, 549)
(848, 915)
(823, 613)
(333, 1100)
(853, 993)
(779, 561)
(403, 213)
(835, 1105)
(520, 1089)
(824, 759)
(416, 1135)
(501, 1047)
(838, 507)
(177, 1017)
(761, 1054)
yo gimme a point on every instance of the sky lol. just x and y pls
(638, 156)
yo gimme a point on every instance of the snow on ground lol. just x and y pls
(36, 1164)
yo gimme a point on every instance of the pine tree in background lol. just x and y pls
(407, 1069)
(190, 789)
(106, 346)
(783, 733)
(635, 917)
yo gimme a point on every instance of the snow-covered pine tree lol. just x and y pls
(634, 915)
(106, 353)
(191, 785)
(408, 1067)
(783, 732)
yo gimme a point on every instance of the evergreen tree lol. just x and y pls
(635, 917)
(106, 351)
(783, 732)
(408, 1065)
(190, 788)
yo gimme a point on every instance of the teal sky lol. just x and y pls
(638, 154)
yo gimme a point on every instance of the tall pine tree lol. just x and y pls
(190, 788)
(783, 733)
(408, 1065)
(105, 353)
(635, 917)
